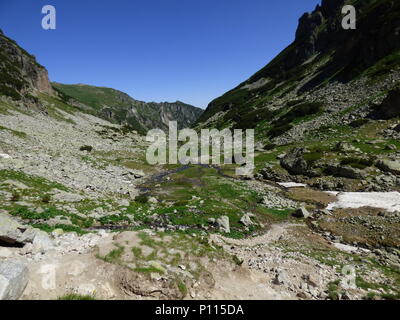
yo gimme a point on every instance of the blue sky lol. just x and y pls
(156, 50)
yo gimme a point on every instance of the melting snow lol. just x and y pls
(384, 200)
(292, 184)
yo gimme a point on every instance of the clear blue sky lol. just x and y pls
(156, 50)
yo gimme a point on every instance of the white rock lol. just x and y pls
(4, 156)
(5, 253)
(42, 242)
(153, 200)
(246, 220)
(13, 279)
(223, 223)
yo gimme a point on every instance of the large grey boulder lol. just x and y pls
(13, 232)
(390, 107)
(16, 234)
(389, 166)
(294, 162)
(42, 242)
(13, 279)
(346, 172)
(302, 213)
(223, 224)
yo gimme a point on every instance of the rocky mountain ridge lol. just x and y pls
(21, 76)
(322, 57)
(118, 107)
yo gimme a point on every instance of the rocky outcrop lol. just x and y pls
(389, 166)
(345, 172)
(302, 213)
(322, 55)
(390, 107)
(21, 75)
(13, 233)
(294, 162)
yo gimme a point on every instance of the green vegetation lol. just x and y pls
(358, 163)
(11, 79)
(114, 255)
(74, 296)
(384, 66)
(278, 130)
(359, 123)
(98, 97)
(15, 196)
(33, 182)
(333, 290)
(66, 228)
(295, 115)
(33, 216)
(14, 132)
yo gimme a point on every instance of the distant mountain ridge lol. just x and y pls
(23, 79)
(117, 106)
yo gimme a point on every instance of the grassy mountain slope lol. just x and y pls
(119, 107)
(322, 55)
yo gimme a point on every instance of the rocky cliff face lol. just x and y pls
(116, 106)
(20, 74)
(322, 55)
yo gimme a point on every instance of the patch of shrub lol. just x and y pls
(248, 120)
(279, 130)
(114, 219)
(312, 157)
(284, 123)
(270, 146)
(302, 110)
(357, 163)
(66, 228)
(359, 123)
(73, 296)
(15, 196)
(32, 98)
(10, 92)
(86, 148)
(143, 198)
(46, 198)
(294, 102)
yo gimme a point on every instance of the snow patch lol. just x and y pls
(347, 248)
(292, 185)
(383, 200)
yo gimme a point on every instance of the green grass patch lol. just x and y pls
(74, 296)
